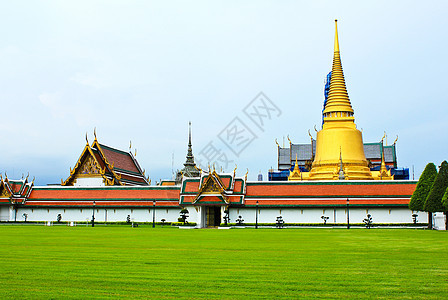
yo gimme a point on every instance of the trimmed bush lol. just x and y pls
(183, 224)
(423, 188)
(434, 200)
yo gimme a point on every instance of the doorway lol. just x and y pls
(213, 218)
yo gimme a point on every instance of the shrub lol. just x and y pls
(423, 188)
(434, 200)
(182, 224)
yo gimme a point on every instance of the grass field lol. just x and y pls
(123, 262)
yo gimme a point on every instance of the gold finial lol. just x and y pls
(315, 129)
(245, 176)
(396, 140)
(27, 176)
(135, 153)
(338, 105)
(294, 174)
(130, 146)
(277, 143)
(150, 181)
(198, 168)
(341, 166)
(336, 41)
(34, 177)
(382, 139)
(289, 140)
(144, 172)
(94, 132)
(87, 140)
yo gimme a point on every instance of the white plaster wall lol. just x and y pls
(102, 214)
(89, 181)
(439, 221)
(4, 213)
(338, 215)
(266, 215)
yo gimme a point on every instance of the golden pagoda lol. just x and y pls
(295, 174)
(339, 137)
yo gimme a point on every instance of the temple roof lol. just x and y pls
(14, 191)
(189, 169)
(372, 151)
(115, 166)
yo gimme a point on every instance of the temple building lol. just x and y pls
(335, 178)
(338, 152)
(101, 165)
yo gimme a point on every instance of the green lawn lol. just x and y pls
(124, 262)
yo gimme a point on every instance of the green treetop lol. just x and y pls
(434, 200)
(423, 187)
(445, 201)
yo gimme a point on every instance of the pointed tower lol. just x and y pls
(189, 169)
(295, 174)
(339, 133)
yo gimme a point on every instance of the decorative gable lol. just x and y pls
(89, 166)
(211, 186)
(211, 191)
(4, 191)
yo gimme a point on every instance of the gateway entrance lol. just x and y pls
(213, 216)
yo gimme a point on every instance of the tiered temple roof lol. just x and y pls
(115, 167)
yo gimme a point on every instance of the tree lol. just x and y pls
(445, 207)
(183, 215)
(424, 185)
(433, 202)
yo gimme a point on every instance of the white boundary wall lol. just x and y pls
(335, 215)
(265, 215)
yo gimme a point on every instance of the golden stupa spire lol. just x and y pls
(338, 105)
(339, 134)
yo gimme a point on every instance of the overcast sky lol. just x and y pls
(141, 70)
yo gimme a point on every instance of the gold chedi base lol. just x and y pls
(338, 146)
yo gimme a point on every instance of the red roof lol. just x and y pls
(119, 159)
